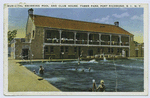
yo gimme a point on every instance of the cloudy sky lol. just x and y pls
(130, 19)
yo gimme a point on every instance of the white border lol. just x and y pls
(93, 93)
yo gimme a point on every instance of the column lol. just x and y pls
(75, 37)
(110, 39)
(99, 38)
(88, 38)
(120, 40)
(129, 46)
(43, 51)
(60, 31)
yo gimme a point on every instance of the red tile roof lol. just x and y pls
(45, 21)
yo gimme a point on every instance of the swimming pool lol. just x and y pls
(64, 76)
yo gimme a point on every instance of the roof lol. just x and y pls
(53, 22)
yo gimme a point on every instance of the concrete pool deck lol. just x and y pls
(21, 79)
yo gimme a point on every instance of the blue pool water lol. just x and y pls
(130, 74)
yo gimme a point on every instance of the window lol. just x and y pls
(90, 37)
(63, 35)
(66, 49)
(22, 39)
(102, 50)
(112, 50)
(108, 50)
(98, 49)
(46, 49)
(78, 36)
(33, 33)
(48, 35)
(75, 49)
(119, 50)
(51, 49)
(62, 49)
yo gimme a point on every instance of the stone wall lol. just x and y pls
(37, 43)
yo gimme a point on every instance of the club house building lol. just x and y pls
(49, 37)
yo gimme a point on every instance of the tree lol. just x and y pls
(136, 43)
(11, 35)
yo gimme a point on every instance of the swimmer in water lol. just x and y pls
(78, 63)
(101, 87)
(76, 69)
(89, 69)
(82, 70)
(41, 70)
(34, 71)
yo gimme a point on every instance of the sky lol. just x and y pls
(130, 19)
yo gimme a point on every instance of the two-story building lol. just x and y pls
(63, 38)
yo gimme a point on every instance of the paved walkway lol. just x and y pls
(21, 79)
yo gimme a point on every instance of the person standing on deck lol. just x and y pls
(101, 87)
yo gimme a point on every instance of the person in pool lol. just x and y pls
(101, 87)
(89, 69)
(41, 70)
(82, 70)
(76, 69)
(34, 71)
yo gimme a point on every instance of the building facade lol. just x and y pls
(49, 37)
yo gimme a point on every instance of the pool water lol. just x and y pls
(64, 76)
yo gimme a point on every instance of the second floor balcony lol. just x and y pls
(70, 37)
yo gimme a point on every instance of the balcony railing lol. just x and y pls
(78, 41)
(125, 44)
(94, 42)
(52, 40)
(81, 41)
(105, 42)
(67, 41)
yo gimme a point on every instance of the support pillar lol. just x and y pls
(75, 33)
(43, 51)
(99, 39)
(60, 31)
(129, 46)
(110, 39)
(88, 38)
(120, 40)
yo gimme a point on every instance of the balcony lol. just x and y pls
(67, 41)
(84, 38)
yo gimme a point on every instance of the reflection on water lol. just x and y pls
(68, 76)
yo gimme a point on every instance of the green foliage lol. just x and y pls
(11, 35)
(136, 43)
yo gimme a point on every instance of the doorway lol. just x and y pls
(136, 51)
(127, 54)
(79, 51)
(25, 53)
(90, 52)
